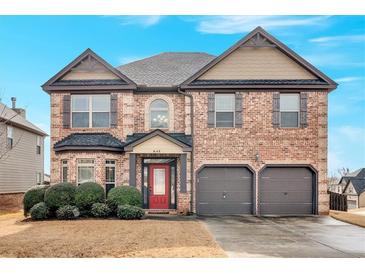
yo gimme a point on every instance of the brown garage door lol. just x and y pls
(224, 191)
(286, 191)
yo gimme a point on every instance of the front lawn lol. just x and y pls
(177, 237)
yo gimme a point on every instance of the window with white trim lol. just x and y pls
(109, 175)
(90, 111)
(9, 135)
(38, 147)
(159, 114)
(224, 110)
(64, 171)
(39, 177)
(85, 170)
(289, 110)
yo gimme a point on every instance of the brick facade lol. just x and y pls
(302, 146)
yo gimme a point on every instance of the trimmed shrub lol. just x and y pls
(39, 211)
(124, 195)
(60, 195)
(67, 212)
(32, 197)
(88, 194)
(100, 210)
(128, 212)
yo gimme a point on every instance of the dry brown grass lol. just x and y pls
(105, 238)
(355, 217)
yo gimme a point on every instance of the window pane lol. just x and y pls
(108, 187)
(224, 102)
(10, 132)
(85, 174)
(80, 119)
(80, 103)
(224, 119)
(64, 174)
(289, 102)
(159, 119)
(100, 119)
(110, 174)
(289, 119)
(159, 104)
(159, 181)
(101, 103)
(172, 182)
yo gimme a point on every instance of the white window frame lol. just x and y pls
(160, 109)
(215, 109)
(10, 135)
(90, 111)
(115, 170)
(38, 177)
(84, 165)
(64, 163)
(294, 110)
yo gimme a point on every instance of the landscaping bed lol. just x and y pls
(175, 237)
(355, 217)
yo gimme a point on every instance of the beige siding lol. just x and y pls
(362, 199)
(257, 63)
(19, 167)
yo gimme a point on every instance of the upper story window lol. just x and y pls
(159, 114)
(224, 110)
(289, 110)
(90, 111)
(9, 135)
(38, 147)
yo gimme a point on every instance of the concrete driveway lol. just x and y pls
(298, 237)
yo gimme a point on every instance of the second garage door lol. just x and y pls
(224, 190)
(286, 191)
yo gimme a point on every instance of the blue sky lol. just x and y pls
(34, 48)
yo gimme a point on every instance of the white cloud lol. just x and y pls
(239, 24)
(140, 20)
(348, 79)
(340, 38)
(352, 134)
(332, 60)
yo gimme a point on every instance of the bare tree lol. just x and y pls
(5, 144)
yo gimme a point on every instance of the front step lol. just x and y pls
(161, 211)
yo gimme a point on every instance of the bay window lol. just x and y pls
(109, 175)
(90, 111)
(85, 171)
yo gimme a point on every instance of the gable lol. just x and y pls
(88, 72)
(157, 144)
(259, 61)
(256, 63)
(350, 189)
(89, 69)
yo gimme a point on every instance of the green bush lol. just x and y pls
(39, 211)
(88, 194)
(33, 196)
(100, 210)
(60, 195)
(128, 212)
(67, 212)
(124, 195)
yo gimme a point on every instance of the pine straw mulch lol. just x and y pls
(171, 238)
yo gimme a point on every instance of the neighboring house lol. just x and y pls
(21, 155)
(241, 133)
(353, 185)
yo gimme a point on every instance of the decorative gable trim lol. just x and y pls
(88, 61)
(260, 38)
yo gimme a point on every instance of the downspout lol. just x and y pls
(192, 145)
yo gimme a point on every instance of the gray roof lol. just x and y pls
(89, 141)
(13, 118)
(360, 173)
(166, 69)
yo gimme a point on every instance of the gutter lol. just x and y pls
(192, 145)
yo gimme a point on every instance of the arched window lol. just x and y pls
(159, 114)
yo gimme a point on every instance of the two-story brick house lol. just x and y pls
(241, 133)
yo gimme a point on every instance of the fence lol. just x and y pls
(338, 201)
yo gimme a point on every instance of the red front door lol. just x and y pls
(159, 186)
